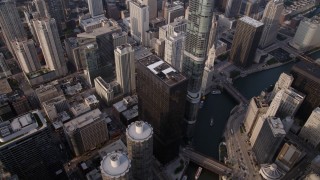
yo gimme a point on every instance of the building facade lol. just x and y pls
(139, 20)
(162, 94)
(116, 166)
(232, 8)
(95, 7)
(174, 47)
(310, 132)
(289, 155)
(245, 42)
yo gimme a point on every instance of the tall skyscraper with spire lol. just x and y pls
(270, 20)
(198, 30)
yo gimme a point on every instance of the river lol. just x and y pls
(206, 138)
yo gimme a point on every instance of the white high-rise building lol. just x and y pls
(95, 7)
(310, 132)
(125, 68)
(41, 8)
(140, 149)
(270, 20)
(139, 20)
(307, 35)
(27, 55)
(285, 103)
(174, 47)
(285, 80)
(153, 9)
(116, 166)
(48, 36)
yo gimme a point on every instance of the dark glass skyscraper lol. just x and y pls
(162, 92)
(195, 54)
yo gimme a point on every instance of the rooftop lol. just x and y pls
(308, 69)
(4, 86)
(92, 99)
(141, 52)
(276, 126)
(251, 21)
(162, 70)
(115, 164)
(115, 146)
(108, 26)
(125, 103)
(82, 120)
(131, 113)
(177, 21)
(139, 131)
(54, 100)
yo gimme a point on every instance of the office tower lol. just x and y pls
(41, 8)
(93, 65)
(178, 25)
(174, 47)
(307, 80)
(285, 80)
(307, 35)
(245, 41)
(139, 14)
(140, 149)
(195, 54)
(270, 20)
(172, 11)
(4, 69)
(54, 106)
(232, 9)
(125, 68)
(27, 148)
(266, 138)
(50, 44)
(250, 8)
(257, 107)
(162, 95)
(107, 91)
(95, 7)
(286, 103)
(310, 132)
(288, 156)
(116, 166)
(153, 10)
(86, 132)
(27, 55)
(10, 22)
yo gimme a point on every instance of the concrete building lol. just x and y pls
(266, 138)
(119, 38)
(306, 37)
(310, 132)
(86, 132)
(307, 80)
(288, 157)
(27, 147)
(195, 54)
(173, 10)
(48, 36)
(153, 9)
(232, 8)
(54, 106)
(285, 80)
(95, 7)
(159, 47)
(4, 68)
(174, 48)
(109, 92)
(116, 166)
(41, 8)
(257, 107)
(47, 92)
(20, 105)
(11, 25)
(140, 149)
(245, 42)
(139, 20)
(125, 68)
(270, 20)
(27, 55)
(250, 8)
(178, 25)
(270, 172)
(286, 103)
(162, 94)
(92, 62)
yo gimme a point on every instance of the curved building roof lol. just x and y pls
(139, 131)
(312, 176)
(270, 172)
(115, 164)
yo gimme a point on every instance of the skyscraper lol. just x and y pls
(27, 55)
(174, 47)
(4, 69)
(198, 30)
(10, 22)
(162, 94)
(245, 41)
(310, 132)
(140, 149)
(139, 20)
(41, 8)
(125, 68)
(95, 7)
(153, 10)
(270, 20)
(116, 166)
(285, 80)
(232, 9)
(266, 139)
(50, 44)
